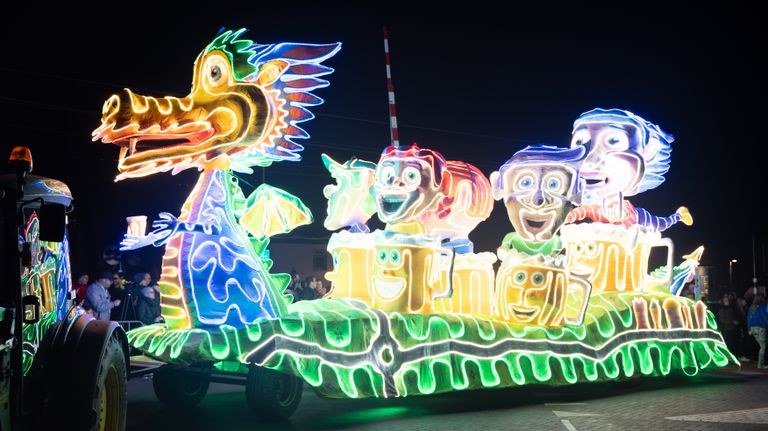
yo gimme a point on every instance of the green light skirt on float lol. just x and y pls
(344, 349)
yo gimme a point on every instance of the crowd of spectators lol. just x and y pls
(744, 325)
(113, 297)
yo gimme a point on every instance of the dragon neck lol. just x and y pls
(212, 184)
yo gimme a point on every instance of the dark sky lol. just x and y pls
(476, 85)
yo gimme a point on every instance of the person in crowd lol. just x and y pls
(311, 288)
(98, 298)
(147, 301)
(730, 322)
(80, 286)
(757, 320)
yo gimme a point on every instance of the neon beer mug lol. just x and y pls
(535, 291)
(352, 262)
(612, 257)
(137, 226)
(406, 272)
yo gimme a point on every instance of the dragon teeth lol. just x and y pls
(132, 146)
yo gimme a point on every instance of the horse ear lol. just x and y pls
(496, 187)
(270, 71)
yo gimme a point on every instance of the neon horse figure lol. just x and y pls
(243, 111)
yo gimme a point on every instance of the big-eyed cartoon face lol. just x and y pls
(350, 202)
(405, 188)
(531, 294)
(538, 197)
(613, 165)
(394, 264)
(404, 276)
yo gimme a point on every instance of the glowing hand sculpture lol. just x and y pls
(164, 229)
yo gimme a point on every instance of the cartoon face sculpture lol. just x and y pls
(406, 273)
(529, 293)
(408, 183)
(350, 200)
(540, 186)
(536, 290)
(626, 154)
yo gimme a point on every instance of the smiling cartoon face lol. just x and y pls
(539, 185)
(406, 185)
(613, 166)
(531, 294)
(626, 154)
(404, 275)
(538, 198)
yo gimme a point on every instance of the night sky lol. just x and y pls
(474, 85)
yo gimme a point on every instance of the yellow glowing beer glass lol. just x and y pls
(531, 293)
(613, 257)
(472, 289)
(406, 273)
(352, 262)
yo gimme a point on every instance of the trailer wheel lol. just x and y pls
(179, 388)
(272, 395)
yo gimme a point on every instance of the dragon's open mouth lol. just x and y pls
(134, 142)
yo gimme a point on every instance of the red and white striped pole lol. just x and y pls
(391, 96)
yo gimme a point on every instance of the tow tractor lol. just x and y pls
(60, 366)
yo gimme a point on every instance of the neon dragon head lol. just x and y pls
(243, 110)
(625, 153)
(540, 185)
(408, 182)
(350, 200)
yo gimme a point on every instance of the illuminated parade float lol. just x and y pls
(414, 309)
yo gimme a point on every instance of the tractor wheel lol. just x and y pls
(272, 395)
(180, 388)
(111, 399)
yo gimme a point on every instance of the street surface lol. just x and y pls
(725, 399)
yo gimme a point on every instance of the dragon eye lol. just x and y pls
(217, 69)
(394, 256)
(520, 277)
(381, 256)
(215, 73)
(537, 279)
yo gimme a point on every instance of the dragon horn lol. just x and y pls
(329, 163)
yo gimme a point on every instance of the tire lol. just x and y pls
(178, 388)
(110, 401)
(85, 385)
(272, 395)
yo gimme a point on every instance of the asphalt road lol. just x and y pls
(726, 399)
